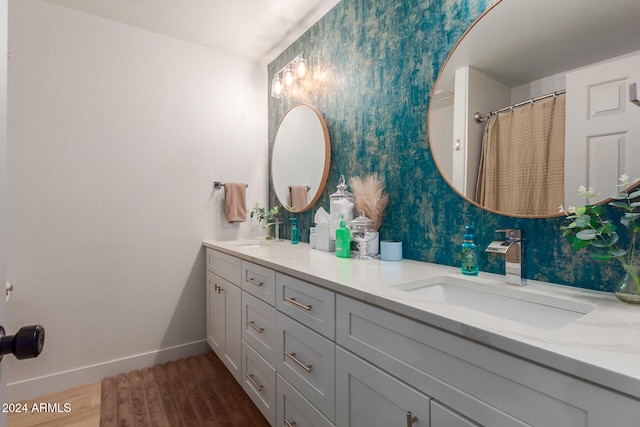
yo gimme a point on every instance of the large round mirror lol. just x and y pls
(553, 83)
(300, 159)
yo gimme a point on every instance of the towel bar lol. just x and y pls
(218, 185)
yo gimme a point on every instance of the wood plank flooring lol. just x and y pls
(83, 409)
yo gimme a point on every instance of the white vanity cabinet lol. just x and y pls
(223, 309)
(310, 356)
(482, 385)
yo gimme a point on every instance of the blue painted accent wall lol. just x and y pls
(381, 59)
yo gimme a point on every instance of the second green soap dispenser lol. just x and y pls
(469, 253)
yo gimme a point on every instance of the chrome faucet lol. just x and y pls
(512, 250)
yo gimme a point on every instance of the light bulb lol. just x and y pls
(301, 69)
(276, 87)
(288, 77)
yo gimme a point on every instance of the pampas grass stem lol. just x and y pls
(370, 196)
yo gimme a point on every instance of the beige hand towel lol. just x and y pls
(235, 202)
(298, 197)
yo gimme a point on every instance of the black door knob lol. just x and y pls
(25, 344)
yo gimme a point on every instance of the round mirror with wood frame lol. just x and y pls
(525, 50)
(300, 158)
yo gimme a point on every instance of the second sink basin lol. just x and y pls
(541, 311)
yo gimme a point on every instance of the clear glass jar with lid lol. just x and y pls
(341, 204)
(362, 231)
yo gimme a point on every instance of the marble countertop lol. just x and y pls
(602, 346)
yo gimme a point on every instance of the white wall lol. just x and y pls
(115, 137)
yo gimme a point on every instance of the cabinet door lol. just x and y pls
(369, 397)
(233, 329)
(223, 321)
(215, 315)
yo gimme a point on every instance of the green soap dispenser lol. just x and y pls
(469, 253)
(343, 240)
(295, 237)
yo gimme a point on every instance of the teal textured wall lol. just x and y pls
(381, 59)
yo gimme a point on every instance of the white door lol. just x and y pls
(3, 183)
(602, 127)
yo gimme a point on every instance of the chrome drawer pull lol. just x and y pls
(288, 423)
(293, 301)
(292, 356)
(411, 419)
(253, 281)
(249, 377)
(253, 325)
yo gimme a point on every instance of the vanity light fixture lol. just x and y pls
(291, 75)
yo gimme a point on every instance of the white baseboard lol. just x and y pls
(34, 387)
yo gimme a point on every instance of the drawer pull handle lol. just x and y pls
(288, 423)
(253, 325)
(253, 281)
(250, 378)
(411, 419)
(292, 356)
(293, 301)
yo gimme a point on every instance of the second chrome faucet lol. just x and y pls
(512, 250)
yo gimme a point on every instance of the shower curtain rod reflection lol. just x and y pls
(479, 117)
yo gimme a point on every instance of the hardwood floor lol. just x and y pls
(77, 407)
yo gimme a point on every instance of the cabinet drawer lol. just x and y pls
(311, 305)
(307, 360)
(259, 326)
(226, 266)
(259, 281)
(259, 381)
(443, 416)
(294, 409)
(367, 396)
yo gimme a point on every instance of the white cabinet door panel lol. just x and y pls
(369, 397)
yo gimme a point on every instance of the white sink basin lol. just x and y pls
(541, 311)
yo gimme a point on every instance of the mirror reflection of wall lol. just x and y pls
(594, 59)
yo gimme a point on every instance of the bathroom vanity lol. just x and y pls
(317, 340)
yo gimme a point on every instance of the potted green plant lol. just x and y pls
(267, 216)
(590, 230)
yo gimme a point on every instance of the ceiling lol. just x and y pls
(256, 29)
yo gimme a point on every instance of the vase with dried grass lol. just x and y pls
(370, 197)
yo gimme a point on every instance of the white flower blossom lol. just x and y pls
(624, 180)
(570, 210)
(587, 193)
